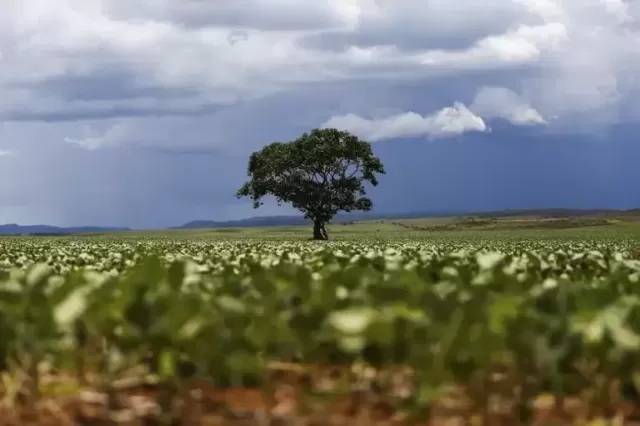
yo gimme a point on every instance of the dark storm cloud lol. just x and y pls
(105, 85)
(251, 14)
(509, 168)
(107, 112)
(129, 186)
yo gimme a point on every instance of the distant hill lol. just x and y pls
(248, 222)
(559, 213)
(263, 221)
(266, 221)
(15, 229)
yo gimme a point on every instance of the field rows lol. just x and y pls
(469, 329)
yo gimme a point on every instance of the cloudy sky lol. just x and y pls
(142, 113)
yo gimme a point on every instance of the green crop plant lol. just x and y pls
(472, 328)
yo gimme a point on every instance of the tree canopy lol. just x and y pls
(320, 173)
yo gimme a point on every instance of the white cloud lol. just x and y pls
(88, 143)
(522, 45)
(447, 122)
(582, 50)
(489, 103)
(574, 55)
(196, 44)
(548, 10)
(93, 138)
(6, 153)
(290, 15)
(618, 9)
(500, 102)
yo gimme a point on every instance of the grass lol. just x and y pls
(421, 228)
(350, 231)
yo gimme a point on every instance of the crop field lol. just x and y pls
(388, 328)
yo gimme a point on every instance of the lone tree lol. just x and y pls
(320, 174)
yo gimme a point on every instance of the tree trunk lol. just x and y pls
(319, 232)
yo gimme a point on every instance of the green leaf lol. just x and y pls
(352, 344)
(230, 304)
(502, 309)
(244, 362)
(71, 308)
(167, 363)
(176, 275)
(352, 321)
